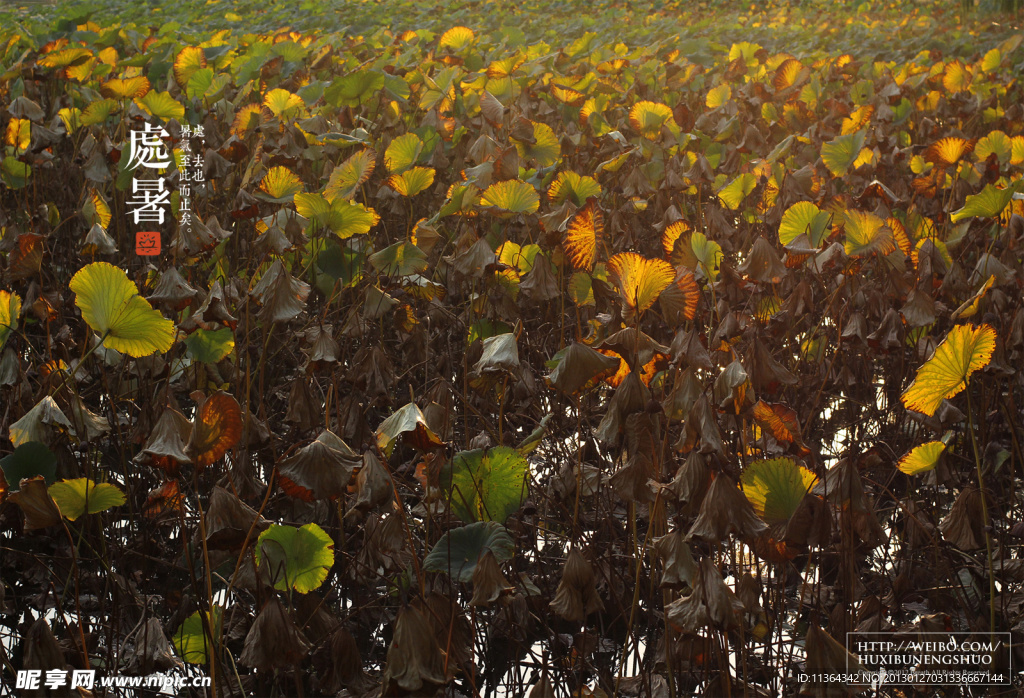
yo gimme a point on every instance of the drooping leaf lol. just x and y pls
(459, 550)
(296, 557)
(412, 181)
(486, 485)
(776, 487)
(111, 305)
(407, 422)
(966, 349)
(346, 218)
(81, 496)
(708, 255)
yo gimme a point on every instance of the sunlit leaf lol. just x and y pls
(279, 185)
(296, 557)
(347, 177)
(708, 254)
(188, 61)
(81, 496)
(965, 349)
(649, 117)
(569, 185)
(283, 104)
(948, 151)
(866, 233)
(717, 96)
(988, 203)
(111, 305)
(840, 153)
(582, 235)
(640, 280)
(345, 218)
(456, 39)
(403, 152)
(159, 104)
(413, 181)
(776, 487)
(512, 195)
(733, 194)
(408, 423)
(216, 429)
(10, 310)
(191, 640)
(804, 217)
(129, 88)
(544, 148)
(922, 458)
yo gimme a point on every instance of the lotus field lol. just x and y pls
(410, 349)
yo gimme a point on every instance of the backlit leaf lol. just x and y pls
(111, 305)
(804, 217)
(582, 235)
(129, 88)
(279, 185)
(988, 203)
(640, 280)
(188, 61)
(733, 194)
(81, 496)
(922, 458)
(948, 151)
(296, 557)
(569, 185)
(649, 117)
(840, 153)
(403, 152)
(10, 310)
(965, 349)
(413, 181)
(512, 195)
(866, 233)
(347, 177)
(216, 429)
(486, 485)
(191, 640)
(776, 487)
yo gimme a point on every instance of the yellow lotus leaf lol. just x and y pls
(965, 349)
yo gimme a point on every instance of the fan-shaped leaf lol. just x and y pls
(648, 118)
(576, 188)
(512, 195)
(582, 235)
(964, 350)
(804, 217)
(708, 254)
(988, 203)
(81, 496)
(867, 233)
(191, 640)
(111, 305)
(188, 61)
(413, 181)
(640, 280)
(456, 39)
(279, 185)
(403, 152)
(840, 153)
(345, 218)
(210, 346)
(130, 88)
(922, 458)
(733, 194)
(776, 487)
(350, 175)
(543, 149)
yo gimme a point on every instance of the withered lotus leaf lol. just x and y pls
(576, 596)
(711, 602)
(578, 365)
(488, 581)
(409, 423)
(168, 442)
(35, 501)
(229, 519)
(274, 641)
(415, 663)
(317, 471)
(725, 510)
(173, 290)
(679, 567)
(217, 428)
(152, 651)
(962, 526)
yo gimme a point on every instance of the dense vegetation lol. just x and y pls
(626, 350)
